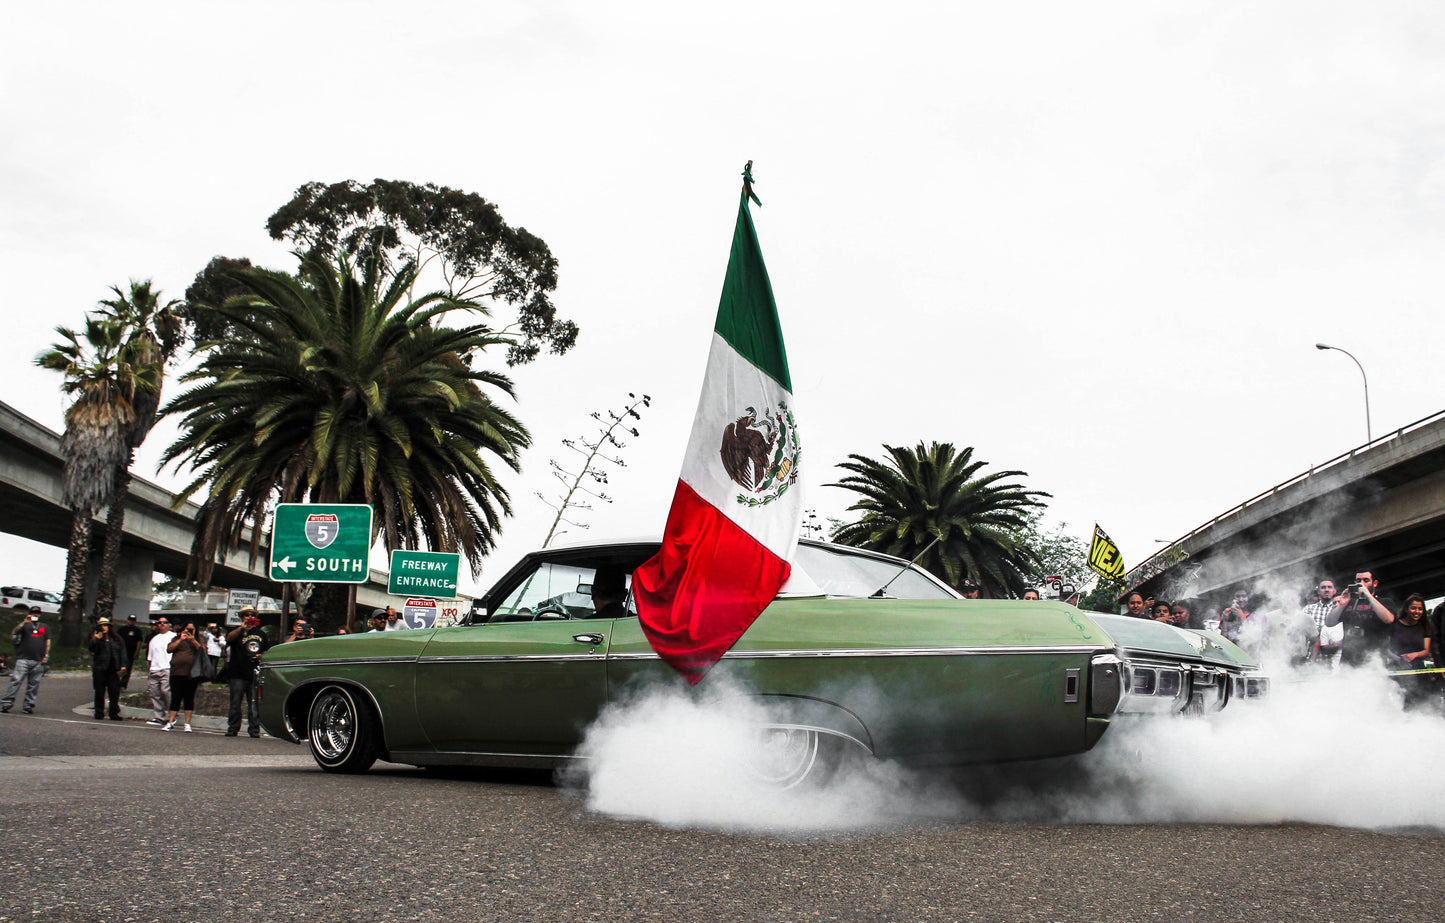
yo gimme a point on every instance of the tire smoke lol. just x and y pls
(1334, 749)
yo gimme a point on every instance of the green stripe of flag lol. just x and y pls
(747, 317)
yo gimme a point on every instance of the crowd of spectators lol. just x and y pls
(1336, 624)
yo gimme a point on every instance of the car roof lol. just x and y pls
(630, 552)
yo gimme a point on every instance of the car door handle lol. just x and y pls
(589, 638)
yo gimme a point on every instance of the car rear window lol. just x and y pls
(839, 571)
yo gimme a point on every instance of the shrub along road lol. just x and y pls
(117, 821)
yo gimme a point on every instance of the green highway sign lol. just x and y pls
(431, 574)
(321, 543)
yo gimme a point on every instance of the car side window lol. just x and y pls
(551, 592)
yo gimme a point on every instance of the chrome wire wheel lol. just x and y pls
(783, 757)
(333, 725)
(341, 731)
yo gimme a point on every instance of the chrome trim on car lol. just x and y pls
(1106, 686)
(335, 661)
(886, 652)
(508, 658)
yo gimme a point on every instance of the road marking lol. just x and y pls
(147, 761)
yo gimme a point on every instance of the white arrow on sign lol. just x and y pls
(286, 564)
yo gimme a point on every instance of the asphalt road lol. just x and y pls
(115, 821)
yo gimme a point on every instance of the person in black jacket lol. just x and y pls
(246, 644)
(108, 661)
(131, 636)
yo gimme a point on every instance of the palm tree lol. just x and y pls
(336, 388)
(106, 373)
(153, 333)
(931, 500)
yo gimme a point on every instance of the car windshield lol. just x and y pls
(841, 571)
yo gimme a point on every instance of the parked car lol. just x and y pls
(28, 599)
(865, 653)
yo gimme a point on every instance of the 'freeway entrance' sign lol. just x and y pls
(321, 543)
(424, 573)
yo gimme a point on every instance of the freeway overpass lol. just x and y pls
(157, 535)
(1380, 506)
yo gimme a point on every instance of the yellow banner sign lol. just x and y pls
(1104, 557)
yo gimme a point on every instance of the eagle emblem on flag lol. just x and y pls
(760, 453)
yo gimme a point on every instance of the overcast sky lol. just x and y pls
(1097, 242)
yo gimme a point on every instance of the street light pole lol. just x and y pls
(1369, 435)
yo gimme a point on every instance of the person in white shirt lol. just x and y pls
(160, 671)
(394, 621)
(215, 641)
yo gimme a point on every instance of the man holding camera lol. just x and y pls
(1366, 617)
(107, 663)
(1241, 624)
(246, 644)
(32, 660)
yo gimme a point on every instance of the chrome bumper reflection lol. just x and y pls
(1143, 685)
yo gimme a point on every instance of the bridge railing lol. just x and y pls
(1162, 559)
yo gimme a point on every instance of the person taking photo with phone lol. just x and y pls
(107, 662)
(183, 686)
(32, 661)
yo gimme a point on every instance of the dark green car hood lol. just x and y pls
(1147, 636)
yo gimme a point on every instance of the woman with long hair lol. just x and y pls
(1409, 635)
(183, 687)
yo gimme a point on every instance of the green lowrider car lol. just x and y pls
(861, 653)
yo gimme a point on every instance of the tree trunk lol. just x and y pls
(76, 559)
(114, 530)
(327, 607)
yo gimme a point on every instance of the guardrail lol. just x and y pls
(1155, 563)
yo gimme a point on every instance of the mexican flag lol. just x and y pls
(737, 510)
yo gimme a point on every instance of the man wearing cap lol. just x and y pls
(969, 590)
(160, 670)
(130, 636)
(32, 660)
(107, 662)
(246, 644)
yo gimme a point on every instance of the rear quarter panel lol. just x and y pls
(930, 680)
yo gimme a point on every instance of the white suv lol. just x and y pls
(28, 599)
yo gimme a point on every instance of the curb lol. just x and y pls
(130, 712)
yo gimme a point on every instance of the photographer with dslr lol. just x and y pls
(1366, 617)
(246, 645)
